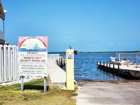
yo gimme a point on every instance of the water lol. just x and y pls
(86, 69)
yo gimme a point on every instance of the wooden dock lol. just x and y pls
(126, 71)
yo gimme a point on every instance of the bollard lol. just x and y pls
(100, 63)
(103, 63)
(109, 65)
(118, 66)
(113, 65)
(70, 69)
(97, 63)
(61, 64)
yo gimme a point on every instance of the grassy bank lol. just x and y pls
(33, 95)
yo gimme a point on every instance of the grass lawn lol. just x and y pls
(33, 95)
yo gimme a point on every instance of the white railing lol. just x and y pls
(8, 63)
(53, 57)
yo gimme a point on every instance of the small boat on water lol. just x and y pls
(124, 68)
(124, 61)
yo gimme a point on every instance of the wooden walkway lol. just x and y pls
(126, 71)
(57, 75)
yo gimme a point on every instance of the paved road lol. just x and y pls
(103, 93)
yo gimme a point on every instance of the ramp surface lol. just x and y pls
(57, 74)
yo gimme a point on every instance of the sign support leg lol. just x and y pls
(45, 85)
(22, 83)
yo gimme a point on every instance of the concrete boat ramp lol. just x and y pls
(99, 93)
(105, 93)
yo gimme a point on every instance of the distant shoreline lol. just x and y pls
(99, 52)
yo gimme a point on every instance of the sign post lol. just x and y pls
(22, 83)
(33, 57)
(45, 85)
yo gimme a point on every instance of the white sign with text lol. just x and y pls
(33, 56)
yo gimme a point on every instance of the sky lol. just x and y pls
(86, 25)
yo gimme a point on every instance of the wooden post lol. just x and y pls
(61, 62)
(118, 66)
(0, 63)
(113, 65)
(100, 63)
(105, 64)
(97, 63)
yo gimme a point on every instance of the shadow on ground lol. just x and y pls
(35, 87)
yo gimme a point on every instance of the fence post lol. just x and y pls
(16, 61)
(4, 54)
(13, 55)
(8, 63)
(0, 63)
(13, 62)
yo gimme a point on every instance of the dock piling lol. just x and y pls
(113, 66)
(118, 66)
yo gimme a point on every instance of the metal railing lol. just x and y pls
(53, 57)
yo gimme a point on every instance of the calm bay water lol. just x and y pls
(86, 69)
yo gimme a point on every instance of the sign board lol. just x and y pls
(33, 56)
